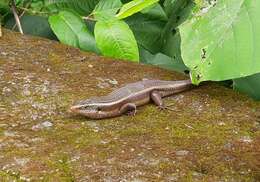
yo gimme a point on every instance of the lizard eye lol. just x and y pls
(98, 109)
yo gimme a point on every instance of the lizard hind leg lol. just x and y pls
(157, 99)
(129, 109)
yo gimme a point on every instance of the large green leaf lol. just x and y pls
(162, 60)
(106, 9)
(147, 31)
(133, 7)
(115, 39)
(169, 6)
(171, 47)
(155, 11)
(221, 41)
(83, 7)
(171, 37)
(249, 85)
(71, 29)
(179, 11)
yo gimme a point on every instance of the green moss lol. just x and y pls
(10, 176)
(62, 167)
(209, 123)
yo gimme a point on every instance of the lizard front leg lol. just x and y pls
(129, 108)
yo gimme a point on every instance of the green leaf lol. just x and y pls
(155, 11)
(82, 7)
(180, 11)
(106, 9)
(4, 4)
(133, 7)
(147, 31)
(249, 85)
(37, 5)
(115, 39)
(33, 25)
(171, 47)
(4, 8)
(169, 6)
(162, 61)
(221, 41)
(71, 29)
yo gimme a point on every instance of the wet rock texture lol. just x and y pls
(213, 134)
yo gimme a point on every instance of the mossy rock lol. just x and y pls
(212, 134)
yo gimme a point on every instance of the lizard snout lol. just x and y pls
(74, 108)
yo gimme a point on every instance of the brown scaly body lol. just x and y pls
(127, 98)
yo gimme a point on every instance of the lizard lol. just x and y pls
(127, 98)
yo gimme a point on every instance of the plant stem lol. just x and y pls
(16, 17)
(88, 18)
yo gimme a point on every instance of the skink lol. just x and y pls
(126, 99)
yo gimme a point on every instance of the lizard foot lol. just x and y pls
(129, 109)
(131, 112)
(163, 108)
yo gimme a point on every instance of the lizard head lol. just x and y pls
(86, 108)
(91, 109)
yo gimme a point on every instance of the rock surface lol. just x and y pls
(213, 134)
